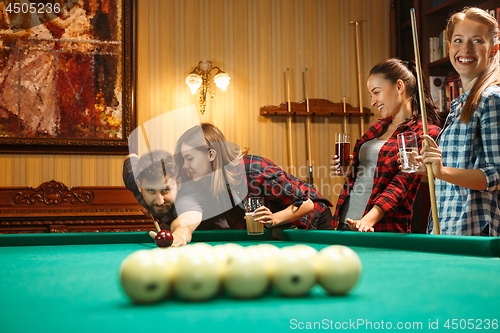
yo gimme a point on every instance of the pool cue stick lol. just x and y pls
(146, 140)
(164, 171)
(345, 112)
(308, 132)
(430, 174)
(158, 229)
(360, 91)
(289, 122)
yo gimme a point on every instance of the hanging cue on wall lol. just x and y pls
(344, 107)
(289, 122)
(308, 132)
(358, 63)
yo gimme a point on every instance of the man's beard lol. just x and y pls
(161, 211)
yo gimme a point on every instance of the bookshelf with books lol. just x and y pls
(445, 89)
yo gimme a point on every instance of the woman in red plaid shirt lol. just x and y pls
(377, 196)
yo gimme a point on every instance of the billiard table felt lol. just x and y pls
(75, 287)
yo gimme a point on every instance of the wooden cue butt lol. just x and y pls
(432, 193)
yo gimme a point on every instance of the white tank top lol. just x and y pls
(356, 202)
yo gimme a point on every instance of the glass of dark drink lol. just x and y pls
(342, 150)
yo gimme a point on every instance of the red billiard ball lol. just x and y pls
(164, 238)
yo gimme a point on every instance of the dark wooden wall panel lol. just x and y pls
(53, 207)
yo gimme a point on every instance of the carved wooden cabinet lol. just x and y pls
(53, 207)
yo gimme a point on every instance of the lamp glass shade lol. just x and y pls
(205, 65)
(194, 82)
(221, 80)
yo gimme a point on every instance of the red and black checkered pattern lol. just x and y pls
(393, 191)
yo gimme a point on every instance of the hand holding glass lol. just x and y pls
(408, 150)
(251, 204)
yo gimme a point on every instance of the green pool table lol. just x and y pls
(69, 283)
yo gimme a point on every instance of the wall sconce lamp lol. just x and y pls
(198, 81)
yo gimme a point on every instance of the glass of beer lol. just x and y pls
(408, 149)
(251, 204)
(342, 150)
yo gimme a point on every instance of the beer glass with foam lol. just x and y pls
(251, 204)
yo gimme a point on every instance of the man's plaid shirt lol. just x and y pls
(393, 191)
(475, 145)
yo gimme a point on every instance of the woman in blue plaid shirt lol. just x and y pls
(466, 162)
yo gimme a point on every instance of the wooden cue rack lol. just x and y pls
(317, 107)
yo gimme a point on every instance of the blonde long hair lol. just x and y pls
(491, 75)
(226, 165)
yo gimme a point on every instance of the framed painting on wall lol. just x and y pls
(67, 76)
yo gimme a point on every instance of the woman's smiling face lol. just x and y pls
(384, 95)
(471, 48)
(196, 161)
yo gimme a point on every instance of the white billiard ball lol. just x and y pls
(229, 248)
(196, 276)
(144, 277)
(270, 254)
(201, 247)
(221, 259)
(274, 250)
(311, 251)
(171, 256)
(246, 274)
(294, 274)
(338, 269)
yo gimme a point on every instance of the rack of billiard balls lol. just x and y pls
(199, 271)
